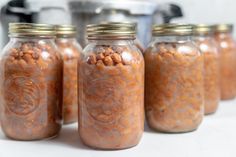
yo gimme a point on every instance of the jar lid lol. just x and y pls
(202, 29)
(121, 30)
(31, 29)
(222, 28)
(172, 29)
(65, 30)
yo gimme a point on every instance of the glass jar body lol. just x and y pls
(227, 51)
(207, 46)
(111, 94)
(70, 51)
(173, 84)
(30, 88)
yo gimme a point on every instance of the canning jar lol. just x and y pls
(203, 37)
(30, 83)
(227, 51)
(173, 80)
(70, 51)
(111, 93)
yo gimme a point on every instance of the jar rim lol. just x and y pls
(31, 29)
(65, 30)
(120, 30)
(205, 29)
(222, 28)
(172, 29)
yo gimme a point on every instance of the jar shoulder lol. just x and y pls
(206, 45)
(225, 41)
(116, 52)
(29, 50)
(69, 51)
(182, 48)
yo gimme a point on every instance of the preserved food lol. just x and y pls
(204, 39)
(173, 80)
(111, 90)
(70, 51)
(227, 51)
(30, 83)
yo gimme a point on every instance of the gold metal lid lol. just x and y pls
(31, 29)
(202, 29)
(172, 29)
(65, 30)
(126, 23)
(222, 28)
(121, 30)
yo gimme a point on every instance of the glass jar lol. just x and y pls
(30, 83)
(173, 80)
(70, 51)
(227, 51)
(203, 37)
(111, 93)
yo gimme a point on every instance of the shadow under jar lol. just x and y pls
(30, 83)
(70, 51)
(203, 37)
(111, 93)
(227, 51)
(173, 80)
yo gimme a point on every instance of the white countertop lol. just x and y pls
(216, 137)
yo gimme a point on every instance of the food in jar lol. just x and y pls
(211, 75)
(30, 87)
(227, 51)
(211, 82)
(173, 86)
(203, 37)
(111, 96)
(70, 51)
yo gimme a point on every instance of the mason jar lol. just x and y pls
(173, 80)
(111, 93)
(203, 37)
(70, 51)
(30, 83)
(227, 51)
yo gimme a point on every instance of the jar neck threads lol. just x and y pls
(172, 29)
(111, 30)
(31, 30)
(65, 31)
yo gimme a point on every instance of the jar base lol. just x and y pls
(210, 113)
(36, 139)
(108, 149)
(227, 98)
(172, 132)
